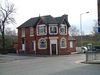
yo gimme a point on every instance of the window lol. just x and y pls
(32, 45)
(23, 44)
(23, 32)
(71, 44)
(42, 44)
(62, 29)
(31, 31)
(63, 43)
(41, 30)
(53, 29)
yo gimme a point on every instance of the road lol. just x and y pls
(47, 65)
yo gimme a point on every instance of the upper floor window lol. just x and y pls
(53, 29)
(42, 44)
(31, 31)
(23, 32)
(63, 43)
(62, 29)
(41, 30)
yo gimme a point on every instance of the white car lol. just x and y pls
(84, 49)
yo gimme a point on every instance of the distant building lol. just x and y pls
(45, 35)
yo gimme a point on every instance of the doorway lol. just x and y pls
(53, 46)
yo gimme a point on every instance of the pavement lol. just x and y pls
(47, 65)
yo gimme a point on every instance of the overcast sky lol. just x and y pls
(26, 9)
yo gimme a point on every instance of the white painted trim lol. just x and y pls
(63, 25)
(39, 43)
(53, 37)
(31, 31)
(40, 34)
(53, 41)
(23, 32)
(34, 45)
(23, 47)
(71, 44)
(61, 43)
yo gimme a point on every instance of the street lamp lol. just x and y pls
(81, 26)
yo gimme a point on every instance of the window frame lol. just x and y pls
(71, 44)
(23, 32)
(39, 43)
(61, 26)
(31, 31)
(38, 33)
(61, 43)
(53, 25)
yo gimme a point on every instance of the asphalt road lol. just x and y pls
(47, 65)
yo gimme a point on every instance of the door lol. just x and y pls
(53, 46)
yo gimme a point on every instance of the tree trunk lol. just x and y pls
(3, 41)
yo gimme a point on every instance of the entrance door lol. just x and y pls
(53, 46)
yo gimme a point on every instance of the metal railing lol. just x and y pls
(92, 56)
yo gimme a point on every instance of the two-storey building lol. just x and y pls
(44, 35)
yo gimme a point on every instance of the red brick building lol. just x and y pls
(44, 35)
(72, 44)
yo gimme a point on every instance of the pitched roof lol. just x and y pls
(29, 23)
(48, 19)
(63, 18)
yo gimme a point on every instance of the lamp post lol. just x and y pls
(81, 26)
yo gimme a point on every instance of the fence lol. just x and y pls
(92, 56)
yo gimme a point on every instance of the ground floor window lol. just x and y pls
(32, 45)
(42, 43)
(63, 43)
(23, 44)
(71, 44)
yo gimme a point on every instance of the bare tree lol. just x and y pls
(10, 32)
(6, 17)
(73, 31)
(94, 31)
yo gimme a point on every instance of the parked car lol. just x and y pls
(84, 49)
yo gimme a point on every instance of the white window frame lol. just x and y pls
(61, 42)
(31, 31)
(23, 32)
(38, 29)
(34, 46)
(71, 44)
(63, 33)
(53, 25)
(39, 43)
(23, 44)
